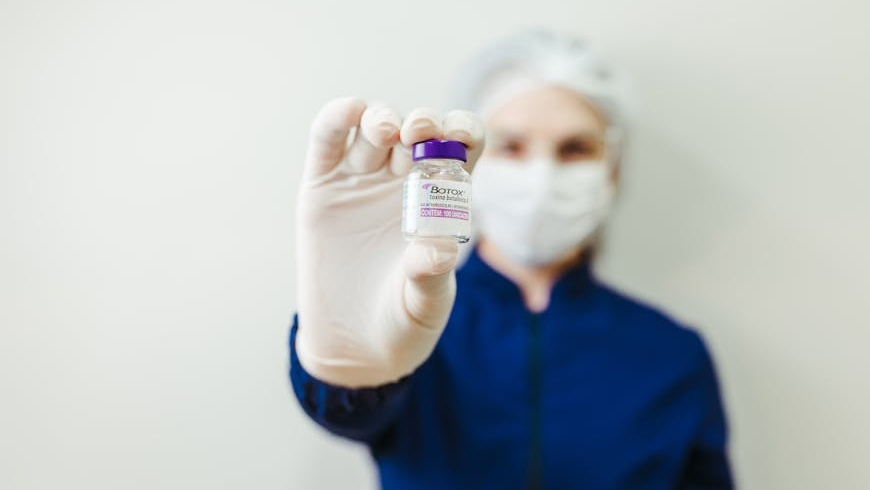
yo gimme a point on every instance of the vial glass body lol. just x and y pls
(437, 200)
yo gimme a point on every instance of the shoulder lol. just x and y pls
(649, 326)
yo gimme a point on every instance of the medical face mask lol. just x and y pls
(537, 211)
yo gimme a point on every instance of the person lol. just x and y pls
(520, 369)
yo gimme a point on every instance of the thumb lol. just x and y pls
(430, 284)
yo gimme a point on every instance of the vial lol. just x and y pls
(437, 192)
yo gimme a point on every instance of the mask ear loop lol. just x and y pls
(613, 152)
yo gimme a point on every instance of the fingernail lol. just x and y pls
(387, 130)
(440, 259)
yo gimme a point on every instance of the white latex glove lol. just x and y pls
(371, 306)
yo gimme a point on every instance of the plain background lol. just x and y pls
(150, 154)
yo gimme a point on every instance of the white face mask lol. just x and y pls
(537, 211)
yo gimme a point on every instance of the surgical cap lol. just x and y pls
(541, 58)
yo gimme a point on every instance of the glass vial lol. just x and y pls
(437, 192)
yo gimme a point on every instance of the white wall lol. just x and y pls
(149, 154)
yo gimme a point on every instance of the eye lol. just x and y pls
(510, 148)
(579, 149)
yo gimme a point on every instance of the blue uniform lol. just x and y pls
(596, 392)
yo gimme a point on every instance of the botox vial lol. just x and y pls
(437, 192)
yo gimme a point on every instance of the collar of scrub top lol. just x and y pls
(575, 283)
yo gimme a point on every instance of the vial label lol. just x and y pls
(438, 208)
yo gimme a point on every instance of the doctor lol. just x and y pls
(520, 369)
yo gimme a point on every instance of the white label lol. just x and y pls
(438, 207)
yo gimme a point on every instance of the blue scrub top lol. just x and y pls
(596, 392)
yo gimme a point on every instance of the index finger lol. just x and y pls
(327, 142)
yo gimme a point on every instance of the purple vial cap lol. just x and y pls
(439, 149)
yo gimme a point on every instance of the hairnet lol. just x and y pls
(538, 58)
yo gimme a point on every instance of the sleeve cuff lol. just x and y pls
(361, 414)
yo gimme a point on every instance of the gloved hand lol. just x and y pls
(371, 306)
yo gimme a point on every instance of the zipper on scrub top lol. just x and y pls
(535, 473)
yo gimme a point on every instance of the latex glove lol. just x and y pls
(371, 306)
